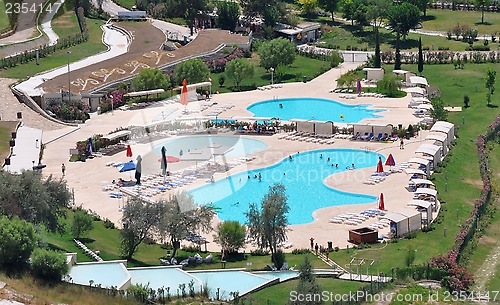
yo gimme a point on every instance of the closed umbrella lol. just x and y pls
(163, 161)
(129, 151)
(390, 161)
(184, 93)
(359, 89)
(381, 205)
(380, 167)
(138, 170)
(89, 147)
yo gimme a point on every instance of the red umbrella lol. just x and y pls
(129, 151)
(184, 93)
(359, 89)
(380, 167)
(390, 161)
(171, 159)
(381, 202)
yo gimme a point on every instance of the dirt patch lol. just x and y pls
(144, 52)
(478, 182)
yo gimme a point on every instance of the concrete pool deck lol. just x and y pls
(86, 178)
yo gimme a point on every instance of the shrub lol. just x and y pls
(18, 239)
(300, 251)
(82, 223)
(48, 265)
(279, 258)
(71, 111)
(259, 252)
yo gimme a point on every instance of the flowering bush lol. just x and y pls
(71, 111)
(218, 65)
(117, 100)
(457, 278)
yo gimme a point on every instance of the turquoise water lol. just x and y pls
(303, 179)
(106, 274)
(282, 275)
(229, 281)
(163, 277)
(312, 108)
(239, 146)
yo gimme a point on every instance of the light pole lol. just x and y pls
(111, 96)
(210, 80)
(69, 78)
(272, 75)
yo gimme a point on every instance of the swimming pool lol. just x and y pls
(166, 277)
(312, 108)
(107, 274)
(303, 178)
(236, 146)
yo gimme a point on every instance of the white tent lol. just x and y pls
(433, 151)
(116, 135)
(374, 73)
(425, 107)
(427, 205)
(426, 191)
(414, 171)
(441, 138)
(421, 161)
(421, 181)
(445, 127)
(417, 80)
(415, 91)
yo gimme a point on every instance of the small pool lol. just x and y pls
(237, 146)
(108, 274)
(226, 282)
(303, 178)
(312, 108)
(166, 277)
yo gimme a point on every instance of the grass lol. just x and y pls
(280, 294)
(4, 18)
(444, 20)
(302, 66)
(60, 58)
(65, 22)
(125, 3)
(6, 129)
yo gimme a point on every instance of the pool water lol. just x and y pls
(302, 177)
(312, 108)
(166, 277)
(107, 274)
(238, 146)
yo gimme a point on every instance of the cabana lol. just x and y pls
(405, 74)
(425, 193)
(445, 127)
(416, 183)
(376, 129)
(324, 127)
(441, 138)
(142, 93)
(423, 162)
(404, 222)
(116, 135)
(416, 101)
(432, 151)
(416, 91)
(304, 125)
(374, 74)
(419, 81)
(427, 206)
(415, 173)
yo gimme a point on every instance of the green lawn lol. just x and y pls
(60, 58)
(65, 22)
(4, 19)
(345, 36)
(444, 20)
(125, 3)
(280, 294)
(6, 129)
(302, 66)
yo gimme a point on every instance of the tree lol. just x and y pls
(238, 69)
(140, 219)
(404, 16)
(228, 15)
(269, 10)
(193, 71)
(230, 235)
(482, 4)
(82, 223)
(307, 7)
(307, 284)
(268, 225)
(397, 59)
(489, 83)
(420, 57)
(181, 215)
(150, 79)
(438, 112)
(48, 265)
(31, 198)
(276, 52)
(421, 4)
(389, 85)
(192, 9)
(356, 10)
(330, 6)
(18, 239)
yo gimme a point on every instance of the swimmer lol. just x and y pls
(332, 164)
(328, 160)
(290, 158)
(321, 156)
(336, 165)
(353, 166)
(248, 177)
(255, 176)
(281, 105)
(260, 177)
(240, 179)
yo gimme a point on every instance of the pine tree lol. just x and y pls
(308, 289)
(420, 57)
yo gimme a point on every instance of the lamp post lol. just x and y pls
(111, 96)
(272, 75)
(210, 80)
(69, 78)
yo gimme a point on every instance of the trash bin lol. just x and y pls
(19, 115)
(407, 135)
(304, 79)
(330, 245)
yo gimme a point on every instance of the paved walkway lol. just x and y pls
(26, 151)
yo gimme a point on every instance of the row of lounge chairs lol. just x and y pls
(375, 178)
(87, 251)
(219, 109)
(308, 137)
(380, 224)
(371, 137)
(349, 218)
(268, 87)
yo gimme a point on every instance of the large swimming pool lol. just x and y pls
(303, 178)
(312, 108)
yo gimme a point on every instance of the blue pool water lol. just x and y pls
(163, 277)
(107, 274)
(303, 178)
(312, 108)
(238, 146)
